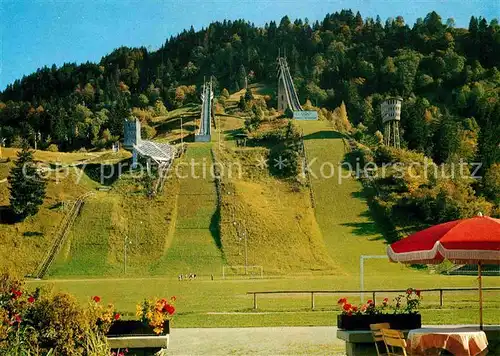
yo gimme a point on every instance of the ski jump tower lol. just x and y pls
(287, 95)
(207, 98)
(391, 115)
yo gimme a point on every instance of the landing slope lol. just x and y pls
(195, 244)
(341, 209)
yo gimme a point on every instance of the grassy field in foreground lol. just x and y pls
(206, 303)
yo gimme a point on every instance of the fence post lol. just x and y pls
(312, 300)
(255, 301)
(440, 297)
(373, 298)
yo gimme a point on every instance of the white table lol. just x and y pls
(465, 341)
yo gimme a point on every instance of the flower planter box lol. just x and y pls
(139, 338)
(134, 328)
(362, 322)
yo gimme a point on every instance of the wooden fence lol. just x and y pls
(372, 292)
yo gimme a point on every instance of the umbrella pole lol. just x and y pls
(480, 297)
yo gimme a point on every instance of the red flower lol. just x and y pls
(369, 301)
(18, 318)
(170, 309)
(117, 316)
(31, 299)
(354, 308)
(342, 301)
(409, 291)
(173, 298)
(417, 292)
(347, 306)
(16, 293)
(386, 300)
(96, 299)
(350, 313)
(363, 308)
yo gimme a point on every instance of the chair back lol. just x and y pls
(377, 330)
(377, 335)
(394, 338)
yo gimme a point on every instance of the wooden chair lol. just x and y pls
(377, 335)
(394, 339)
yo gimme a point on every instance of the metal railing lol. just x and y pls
(314, 293)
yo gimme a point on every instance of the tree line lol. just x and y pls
(447, 76)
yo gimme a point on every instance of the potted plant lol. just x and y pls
(154, 317)
(402, 314)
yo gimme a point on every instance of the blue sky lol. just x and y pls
(38, 33)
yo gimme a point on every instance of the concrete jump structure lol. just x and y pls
(160, 153)
(287, 95)
(207, 98)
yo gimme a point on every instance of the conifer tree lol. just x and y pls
(27, 186)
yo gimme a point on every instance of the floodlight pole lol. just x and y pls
(362, 259)
(182, 134)
(246, 250)
(126, 242)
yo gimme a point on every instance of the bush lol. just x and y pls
(492, 183)
(53, 148)
(144, 116)
(32, 323)
(160, 109)
(225, 93)
(147, 131)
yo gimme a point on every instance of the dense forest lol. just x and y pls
(447, 76)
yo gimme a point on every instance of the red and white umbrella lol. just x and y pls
(468, 241)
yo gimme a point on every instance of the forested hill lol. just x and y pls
(448, 77)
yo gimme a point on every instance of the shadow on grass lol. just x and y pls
(378, 224)
(324, 135)
(32, 233)
(7, 216)
(215, 227)
(106, 174)
(187, 138)
(175, 124)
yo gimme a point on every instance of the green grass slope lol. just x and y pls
(195, 244)
(274, 216)
(341, 209)
(23, 244)
(95, 245)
